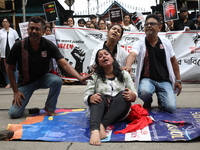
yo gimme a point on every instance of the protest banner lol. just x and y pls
(170, 10)
(77, 44)
(115, 15)
(138, 20)
(2, 4)
(50, 11)
(23, 29)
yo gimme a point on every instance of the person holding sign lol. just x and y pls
(157, 69)
(184, 23)
(109, 95)
(33, 55)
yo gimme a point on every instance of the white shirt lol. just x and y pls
(139, 48)
(130, 27)
(12, 36)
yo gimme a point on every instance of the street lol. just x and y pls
(71, 96)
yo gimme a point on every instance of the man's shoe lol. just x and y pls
(147, 106)
(6, 134)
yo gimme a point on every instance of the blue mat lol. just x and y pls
(71, 125)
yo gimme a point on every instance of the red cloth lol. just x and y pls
(138, 117)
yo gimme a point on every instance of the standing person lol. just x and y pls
(183, 21)
(157, 69)
(33, 55)
(81, 23)
(108, 95)
(115, 34)
(8, 36)
(70, 22)
(92, 25)
(93, 19)
(197, 25)
(102, 24)
(87, 24)
(48, 30)
(127, 25)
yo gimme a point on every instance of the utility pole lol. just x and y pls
(24, 9)
(13, 16)
(88, 7)
(97, 6)
(199, 6)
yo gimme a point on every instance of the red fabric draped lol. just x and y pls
(139, 119)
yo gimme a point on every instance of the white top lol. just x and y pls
(12, 36)
(130, 27)
(120, 57)
(139, 48)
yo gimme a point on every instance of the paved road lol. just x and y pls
(71, 97)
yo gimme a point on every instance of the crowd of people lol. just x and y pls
(110, 91)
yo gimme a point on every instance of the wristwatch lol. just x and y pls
(178, 81)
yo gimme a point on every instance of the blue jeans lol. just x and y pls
(51, 81)
(163, 90)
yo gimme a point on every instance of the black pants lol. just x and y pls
(105, 113)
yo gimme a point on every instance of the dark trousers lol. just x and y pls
(106, 113)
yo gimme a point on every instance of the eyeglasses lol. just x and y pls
(5, 22)
(34, 28)
(151, 24)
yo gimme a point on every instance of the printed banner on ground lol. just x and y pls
(72, 125)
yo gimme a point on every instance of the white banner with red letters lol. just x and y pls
(77, 44)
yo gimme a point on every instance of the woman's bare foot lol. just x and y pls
(50, 113)
(103, 134)
(7, 86)
(95, 138)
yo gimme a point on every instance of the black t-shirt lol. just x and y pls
(114, 53)
(157, 62)
(180, 25)
(38, 61)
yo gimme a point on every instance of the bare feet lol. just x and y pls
(7, 86)
(50, 113)
(103, 134)
(95, 138)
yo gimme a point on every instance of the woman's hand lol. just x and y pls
(96, 98)
(129, 95)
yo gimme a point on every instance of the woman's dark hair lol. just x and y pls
(8, 19)
(101, 20)
(37, 19)
(46, 27)
(72, 19)
(81, 20)
(120, 27)
(116, 68)
(129, 17)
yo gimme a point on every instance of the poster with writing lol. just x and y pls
(116, 16)
(50, 12)
(2, 4)
(23, 29)
(138, 20)
(170, 10)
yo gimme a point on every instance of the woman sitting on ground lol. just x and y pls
(109, 95)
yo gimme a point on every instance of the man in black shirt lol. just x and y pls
(157, 68)
(183, 22)
(33, 55)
